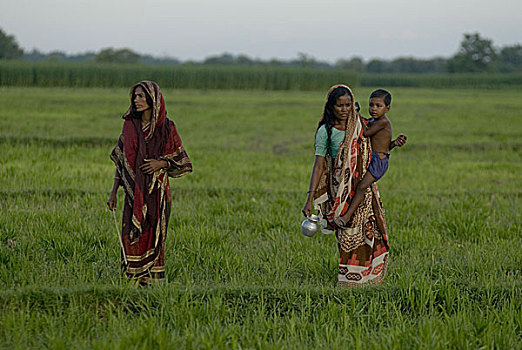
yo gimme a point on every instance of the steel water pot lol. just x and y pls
(310, 226)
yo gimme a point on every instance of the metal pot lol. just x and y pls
(310, 226)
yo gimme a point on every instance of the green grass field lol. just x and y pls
(240, 274)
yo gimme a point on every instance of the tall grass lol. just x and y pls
(240, 274)
(458, 80)
(70, 74)
(45, 74)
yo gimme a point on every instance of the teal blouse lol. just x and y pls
(321, 139)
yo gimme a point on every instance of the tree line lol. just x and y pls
(476, 54)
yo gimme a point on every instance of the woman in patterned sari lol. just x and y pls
(342, 156)
(148, 151)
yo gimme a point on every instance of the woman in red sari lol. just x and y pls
(342, 157)
(148, 151)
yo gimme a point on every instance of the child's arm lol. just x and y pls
(375, 127)
(399, 141)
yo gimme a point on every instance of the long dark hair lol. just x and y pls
(135, 114)
(329, 118)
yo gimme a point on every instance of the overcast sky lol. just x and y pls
(326, 30)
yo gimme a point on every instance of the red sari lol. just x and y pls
(146, 208)
(363, 246)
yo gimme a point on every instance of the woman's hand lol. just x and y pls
(153, 165)
(308, 208)
(113, 200)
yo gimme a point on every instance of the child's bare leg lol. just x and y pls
(359, 195)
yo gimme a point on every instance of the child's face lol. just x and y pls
(342, 107)
(377, 107)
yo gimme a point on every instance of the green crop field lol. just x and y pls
(239, 272)
(223, 77)
(84, 74)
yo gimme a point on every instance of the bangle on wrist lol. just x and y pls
(310, 192)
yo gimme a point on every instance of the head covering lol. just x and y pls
(159, 113)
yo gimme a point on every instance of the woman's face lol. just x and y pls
(140, 100)
(342, 107)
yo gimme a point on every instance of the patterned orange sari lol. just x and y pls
(363, 246)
